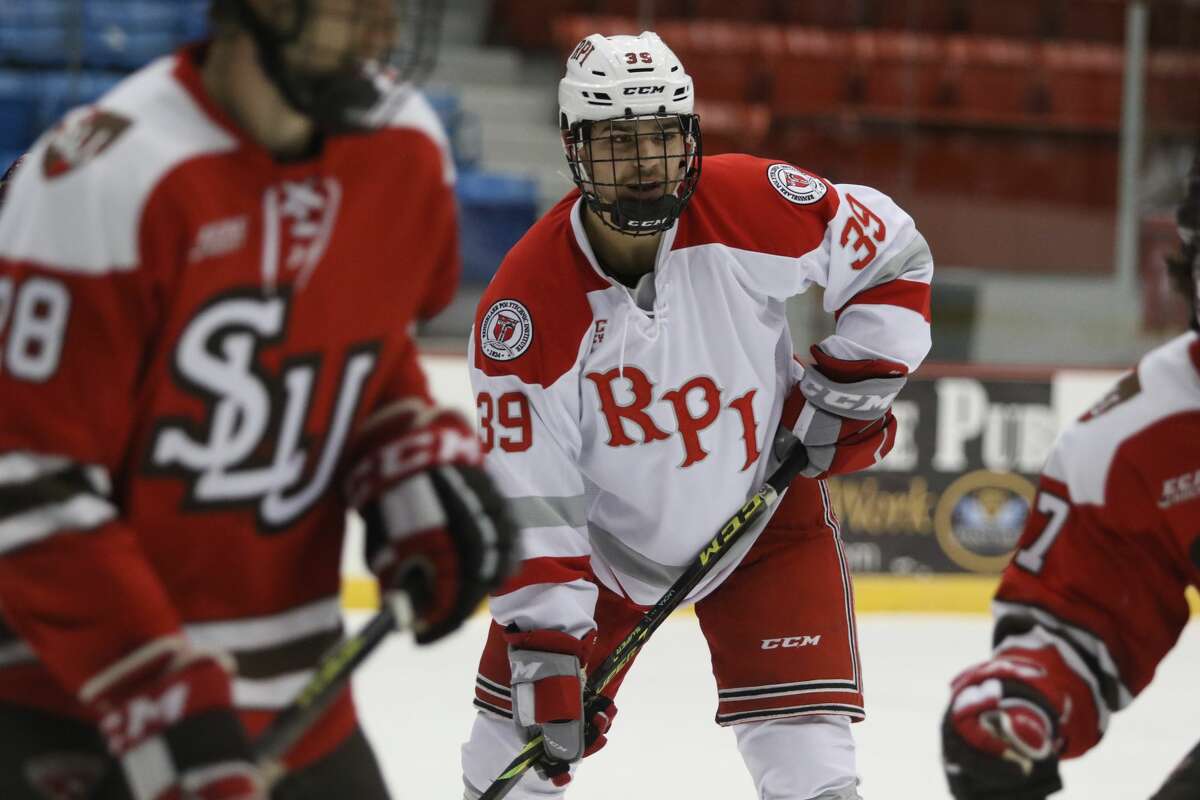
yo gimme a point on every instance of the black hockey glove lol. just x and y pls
(1000, 734)
(437, 528)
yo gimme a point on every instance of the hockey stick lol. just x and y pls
(1184, 781)
(332, 672)
(727, 535)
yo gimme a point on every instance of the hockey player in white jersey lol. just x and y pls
(632, 363)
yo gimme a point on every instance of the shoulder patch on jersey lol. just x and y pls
(506, 330)
(795, 185)
(81, 137)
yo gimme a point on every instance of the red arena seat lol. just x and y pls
(812, 74)
(901, 72)
(744, 10)
(936, 16)
(994, 79)
(1013, 18)
(1083, 83)
(1093, 20)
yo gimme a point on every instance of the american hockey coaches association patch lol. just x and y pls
(794, 185)
(506, 330)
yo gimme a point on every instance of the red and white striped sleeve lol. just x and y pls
(1096, 589)
(878, 269)
(794, 229)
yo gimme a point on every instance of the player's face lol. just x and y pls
(339, 34)
(637, 160)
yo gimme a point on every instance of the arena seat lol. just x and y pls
(732, 80)
(934, 16)
(1021, 19)
(902, 73)
(1173, 90)
(733, 127)
(126, 34)
(812, 74)
(1174, 24)
(18, 109)
(570, 29)
(37, 33)
(1083, 83)
(821, 13)
(744, 10)
(659, 9)
(530, 24)
(58, 92)
(994, 79)
(495, 211)
(1093, 20)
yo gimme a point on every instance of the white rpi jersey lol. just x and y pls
(626, 425)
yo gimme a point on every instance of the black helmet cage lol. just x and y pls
(631, 215)
(362, 91)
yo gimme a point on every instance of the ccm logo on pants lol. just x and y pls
(791, 641)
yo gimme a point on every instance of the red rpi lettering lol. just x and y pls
(696, 405)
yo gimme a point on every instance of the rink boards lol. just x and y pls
(931, 527)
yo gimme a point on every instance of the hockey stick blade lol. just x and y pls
(712, 553)
(332, 673)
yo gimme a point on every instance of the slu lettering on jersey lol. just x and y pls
(248, 315)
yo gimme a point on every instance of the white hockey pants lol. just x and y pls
(796, 758)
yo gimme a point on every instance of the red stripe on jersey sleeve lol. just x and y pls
(548, 276)
(913, 295)
(846, 371)
(548, 569)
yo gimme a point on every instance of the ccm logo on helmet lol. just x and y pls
(628, 90)
(647, 223)
(791, 641)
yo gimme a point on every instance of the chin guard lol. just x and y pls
(636, 172)
(360, 84)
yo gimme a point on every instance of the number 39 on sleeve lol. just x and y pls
(862, 226)
(510, 413)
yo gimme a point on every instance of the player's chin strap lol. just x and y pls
(743, 520)
(332, 672)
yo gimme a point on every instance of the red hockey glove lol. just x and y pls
(842, 416)
(547, 698)
(1000, 735)
(437, 529)
(168, 719)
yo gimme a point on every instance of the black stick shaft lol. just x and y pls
(333, 671)
(733, 529)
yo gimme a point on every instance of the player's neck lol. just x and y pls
(626, 258)
(236, 82)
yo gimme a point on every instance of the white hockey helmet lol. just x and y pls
(637, 79)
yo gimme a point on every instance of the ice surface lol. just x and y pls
(416, 703)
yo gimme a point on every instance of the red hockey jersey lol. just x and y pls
(190, 332)
(1113, 539)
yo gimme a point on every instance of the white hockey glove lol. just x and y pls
(547, 697)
